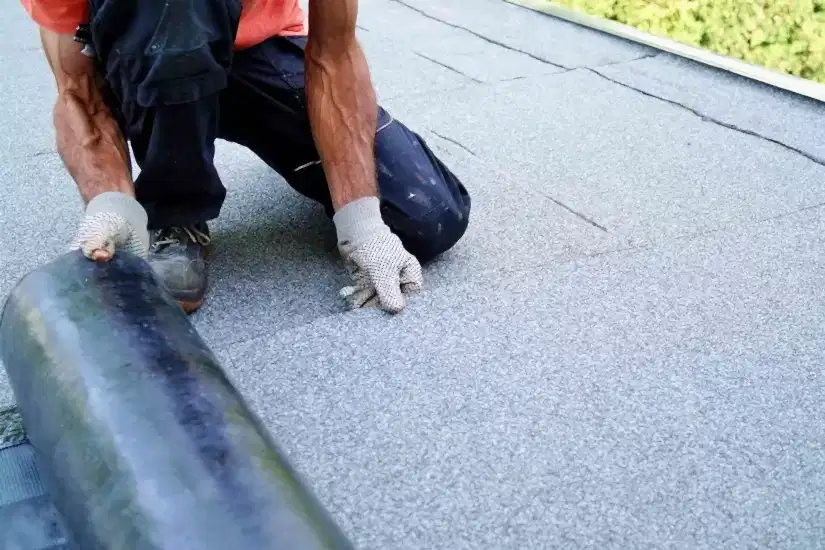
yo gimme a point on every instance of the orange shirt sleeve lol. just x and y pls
(60, 16)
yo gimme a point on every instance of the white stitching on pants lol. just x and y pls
(314, 162)
(387, 124)
(307, 165)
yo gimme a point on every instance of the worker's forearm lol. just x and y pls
(89, 140)
(342, 113)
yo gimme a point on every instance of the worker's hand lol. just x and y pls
(380, 266)
(113, 221)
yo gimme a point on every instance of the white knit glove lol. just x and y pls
(380, 266)
(113, 221)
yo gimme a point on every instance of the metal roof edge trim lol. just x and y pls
(801, 86)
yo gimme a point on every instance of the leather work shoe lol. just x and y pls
(178, 257)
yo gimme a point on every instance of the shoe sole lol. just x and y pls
(190, 306)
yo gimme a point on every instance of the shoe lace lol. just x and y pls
(174, 235)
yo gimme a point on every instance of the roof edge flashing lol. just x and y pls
(797, 85)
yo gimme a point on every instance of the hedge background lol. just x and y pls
(786, 35)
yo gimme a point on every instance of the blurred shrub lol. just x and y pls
(786, 35)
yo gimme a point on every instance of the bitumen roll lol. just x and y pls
(142, 441)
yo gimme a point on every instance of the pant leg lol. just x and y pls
(264, 109)
(165, 64)
(421, 199)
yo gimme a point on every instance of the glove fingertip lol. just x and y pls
(100, 256)
(412, 274)
(411, 288)
(360, 297)
(394, 308)
(97, 250)
(372, 302)
(392, 301)
(347, 291)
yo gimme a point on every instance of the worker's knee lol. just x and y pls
(423, 201)
(434, 232)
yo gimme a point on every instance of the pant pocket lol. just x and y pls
(157, 52)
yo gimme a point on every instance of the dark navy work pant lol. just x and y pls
(258, 102)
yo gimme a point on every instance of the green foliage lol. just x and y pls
(786, 35)
(11, 428)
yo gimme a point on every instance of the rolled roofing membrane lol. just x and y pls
(140, 440)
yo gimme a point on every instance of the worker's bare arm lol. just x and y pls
(341, 100)
(88, 138)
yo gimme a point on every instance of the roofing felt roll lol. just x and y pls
(142, 441)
